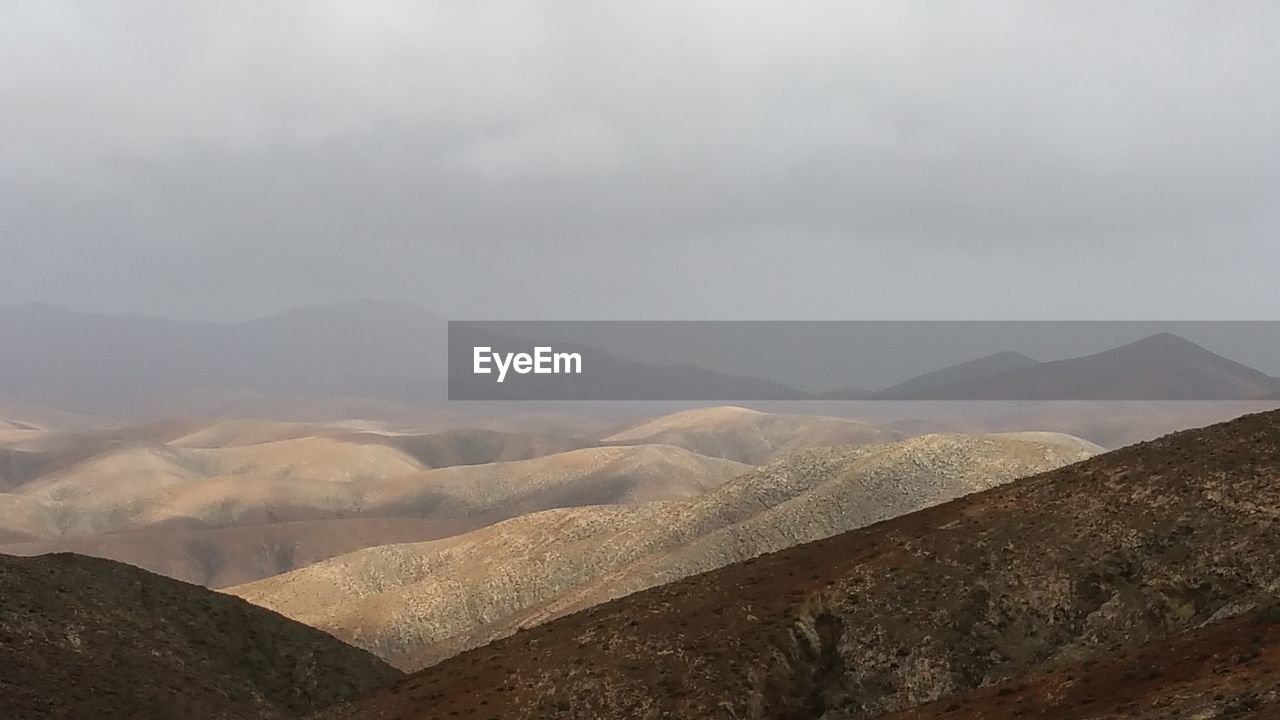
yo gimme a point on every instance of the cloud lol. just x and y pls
(230, 158)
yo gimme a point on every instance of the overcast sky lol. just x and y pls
(651, 159)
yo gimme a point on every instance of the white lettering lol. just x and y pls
(572, 363)
(479, 359)
(543, 361)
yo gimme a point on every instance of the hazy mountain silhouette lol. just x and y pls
(924, 386)
(383, 357)
(1159, 367)
(119, 363)
(390, 352)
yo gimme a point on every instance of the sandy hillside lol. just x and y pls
(749, 436)
(255, 505)
(417, 603)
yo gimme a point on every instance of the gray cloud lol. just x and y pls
(668, 159)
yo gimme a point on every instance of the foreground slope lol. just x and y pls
(1075, 564)
(1228, 669)
(416, 604)
(88, 638)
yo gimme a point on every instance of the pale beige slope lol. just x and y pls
(232, 433)
(591, 476)
(134, 485)
(418, 603)
(121, 475)
(496, 490)
(313, 457)
(298, 520)
(44, 418)
(749, 436)
(240, 554)
(23, 518)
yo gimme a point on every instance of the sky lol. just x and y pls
(729, 159)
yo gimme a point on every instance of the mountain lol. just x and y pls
(118, 364)
(416, 604)
(88, 638)
(1158, 367)
(747, 436)
(1219, 671)
(379, 358)
(923, 386)
(848, 393)
(1083, 564)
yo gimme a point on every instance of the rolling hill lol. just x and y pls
(748, 436)
(229, 515)
(88, 638)
(415, 604)
(239, 554)
(1083, 564)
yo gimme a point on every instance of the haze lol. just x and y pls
(658, 160)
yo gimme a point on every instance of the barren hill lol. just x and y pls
(239, 513)
(88, 638)
(1228, 669)
(418, 603)
(1069, 566)
(219, 557)
(473, 446)
(748, 436)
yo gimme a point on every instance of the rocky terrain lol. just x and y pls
(415, 604)
(1076, 567)
(88, 638)
(1228, 669)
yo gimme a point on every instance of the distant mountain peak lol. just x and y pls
(1165, 341)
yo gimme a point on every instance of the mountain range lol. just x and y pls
(374, 359)
(414, 604)
(1138, 583)
(1139, 576)
(1158, 367)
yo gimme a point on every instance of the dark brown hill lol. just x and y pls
(1230, 669)
(87, 638)
(1069, 566)
(1159, 367)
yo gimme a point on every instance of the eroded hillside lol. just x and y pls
(415, 604)
(87, 638)
(1080, 563)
